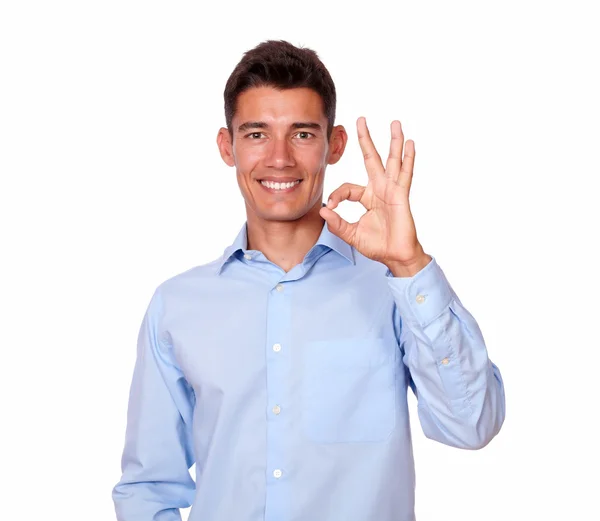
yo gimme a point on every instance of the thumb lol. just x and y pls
(338, 226)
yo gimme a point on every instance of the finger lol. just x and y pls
(346, 192)
(394, 161)
(370, 155)
(408, 163)
(338, 226)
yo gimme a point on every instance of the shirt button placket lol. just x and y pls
(278, 360)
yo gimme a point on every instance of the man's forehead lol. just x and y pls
(275, 106)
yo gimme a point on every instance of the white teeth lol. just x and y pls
(279, 186)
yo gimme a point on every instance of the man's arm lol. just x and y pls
(158, 451)
(459, 390)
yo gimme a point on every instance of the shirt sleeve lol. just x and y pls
(460, 392)
(158, 452)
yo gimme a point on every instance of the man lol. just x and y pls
(281, 369)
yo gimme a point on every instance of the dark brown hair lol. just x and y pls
(280, 65)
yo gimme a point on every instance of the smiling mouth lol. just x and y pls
(280, 188)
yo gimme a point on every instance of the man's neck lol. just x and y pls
(285, 243)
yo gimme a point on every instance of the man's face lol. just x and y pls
(280, 151)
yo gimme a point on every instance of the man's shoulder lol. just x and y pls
(189, 278)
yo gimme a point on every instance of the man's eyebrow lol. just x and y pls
(252, 124)
(306, 124)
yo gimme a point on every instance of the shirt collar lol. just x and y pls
(326, 238)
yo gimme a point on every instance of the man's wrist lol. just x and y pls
(402, 269)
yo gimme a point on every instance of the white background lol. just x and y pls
(112, 182)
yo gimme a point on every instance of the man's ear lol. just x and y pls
(225, 146)
(337, 144)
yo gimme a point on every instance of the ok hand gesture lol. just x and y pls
(386, 232)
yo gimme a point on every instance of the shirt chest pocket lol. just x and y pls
(349, 390)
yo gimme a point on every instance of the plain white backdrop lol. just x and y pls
(111, 182)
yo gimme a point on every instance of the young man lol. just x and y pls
(281, 369)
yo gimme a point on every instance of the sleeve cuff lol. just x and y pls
(424, 296)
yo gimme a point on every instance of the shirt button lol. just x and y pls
(445, 361)
(277, 348)
(276, 409)
(247, 256)
(277, 473)
(279, 287)
(420, 299)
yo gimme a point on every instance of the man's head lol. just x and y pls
(280, 111)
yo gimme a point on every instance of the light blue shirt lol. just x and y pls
(289, 390)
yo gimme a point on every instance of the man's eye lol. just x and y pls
(304, 135)
(254, 135)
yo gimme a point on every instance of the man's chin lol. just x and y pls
(282, 213)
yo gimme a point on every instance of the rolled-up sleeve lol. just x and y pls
(460, 392)
(158, 452)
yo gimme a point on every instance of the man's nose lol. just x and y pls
(280, 154)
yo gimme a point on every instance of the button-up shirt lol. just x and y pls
(288, 390)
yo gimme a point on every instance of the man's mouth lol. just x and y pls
(280, 188)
